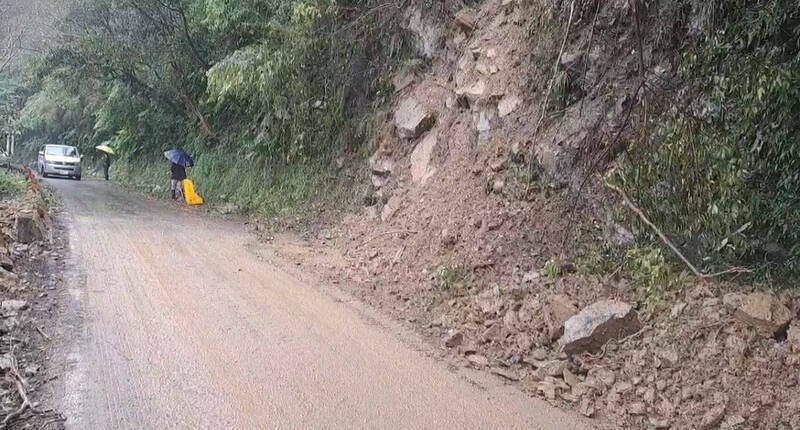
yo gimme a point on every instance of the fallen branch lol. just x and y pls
(667, 242)
(44, 335)
(20, 383)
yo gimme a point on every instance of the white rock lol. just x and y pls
(595, 325)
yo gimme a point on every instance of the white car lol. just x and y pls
(60, 160)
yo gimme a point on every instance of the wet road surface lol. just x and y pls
(185, 324)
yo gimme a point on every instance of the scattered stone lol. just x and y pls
(606, 376)
(670, 355)
(570, 378)
(6, 263)
(505, 373)
(538, 354)
(732, 301)
(511, 320)
(508, 104)
(659, 423)
(713, 418)
(31, 370)
(711, 302)
(381, 167)
(449, 239)
(734, 421)
(793, 337)
(548, 389)
(467, 20)
(478, 360)
(491, 333)
(557, 310)
(764, 312)
(473, 92)
(412, 119)
(677, 310)
(637, 408)
(28, 227)
(7, 278)
(489, 301)
(595, 325)
(735, 348)
(402, 80)
(497, 164)
(498, 185)
(551, 368)
(6, 362)
(390, 208)
(453, 339)
(587, 407)
(421, 169)
(13, 306)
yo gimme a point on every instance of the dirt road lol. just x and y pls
(185, 323)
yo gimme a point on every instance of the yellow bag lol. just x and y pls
(192, 198)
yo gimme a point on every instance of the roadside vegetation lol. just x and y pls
(267, 94)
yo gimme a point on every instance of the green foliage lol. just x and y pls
(722, 173)
(11, 185)
(262, 92)
(651, 273)
(552, 270)
(450, 278)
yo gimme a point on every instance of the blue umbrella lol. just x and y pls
(180, 157)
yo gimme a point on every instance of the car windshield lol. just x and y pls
(61, 151)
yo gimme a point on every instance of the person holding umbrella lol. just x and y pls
(108, 152)
(179, 161)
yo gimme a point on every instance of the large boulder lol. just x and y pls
(421, 169)
(764, 312)
(595, 325)
(29, 227)
(412, 119)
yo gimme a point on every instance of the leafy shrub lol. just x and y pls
(721, 175)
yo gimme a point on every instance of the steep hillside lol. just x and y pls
(490, 228)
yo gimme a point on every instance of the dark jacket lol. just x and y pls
(178, 172)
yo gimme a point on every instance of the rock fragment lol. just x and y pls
(764, 312)
(595, 325)
(412, 119)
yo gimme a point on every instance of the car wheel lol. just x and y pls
(78, 178)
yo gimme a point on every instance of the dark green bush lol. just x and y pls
(721, 175)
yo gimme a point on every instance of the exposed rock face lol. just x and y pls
(428, 33)
(597, 324)
(764, 312)
(412, 119)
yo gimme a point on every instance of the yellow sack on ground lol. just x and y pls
(192, 198)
